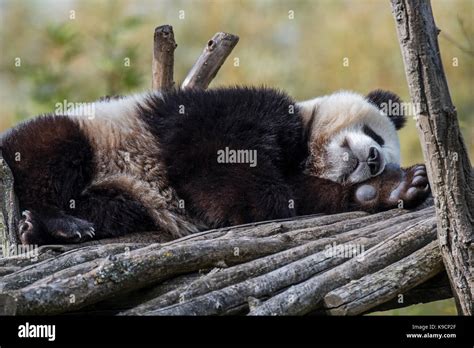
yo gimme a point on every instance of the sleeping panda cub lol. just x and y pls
(187, 160)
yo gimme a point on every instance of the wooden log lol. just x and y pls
(163, 58)
(94, 281)
(305, 297)
(24, 260)
(448, 165)
(266, 228)
(371, 290)
(223, 300)
(435, 289)
(306, 228)
(9, 210)
(8, 270)
(120, 303)
(210, 61)
(33, 273)
(145, 238)
(346, 230)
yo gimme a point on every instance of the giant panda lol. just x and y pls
(183, 161)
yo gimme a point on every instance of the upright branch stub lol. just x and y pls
(210, 61)
(447, 161)
(163, 58)
(9, 210)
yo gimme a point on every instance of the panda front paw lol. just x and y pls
(395, 187)
(70, 229)
(412, 190)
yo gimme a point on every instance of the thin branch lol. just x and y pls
(210, 61)
(163, 58)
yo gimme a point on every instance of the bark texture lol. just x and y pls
(163, 58)
(449, 168)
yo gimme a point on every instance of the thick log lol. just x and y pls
(344, 231)
(267, 228)
(305, 297)
(373, 289)
(163, 58)
(8, 270)
(435, 289)
(224, 300)
(30, 274)
(26, 259)
(9, 210)
(120, 303)
(306, 228)
(145, 238)
(96, 280)
(449, 169)
(210, 61)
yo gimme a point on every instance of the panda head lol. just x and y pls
(352, 137)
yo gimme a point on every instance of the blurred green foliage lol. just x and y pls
(53, 50)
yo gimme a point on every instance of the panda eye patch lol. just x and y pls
(370, 132)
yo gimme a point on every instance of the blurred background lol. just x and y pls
(78, 51)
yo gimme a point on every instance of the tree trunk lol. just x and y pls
(9, 210)
(449, 169)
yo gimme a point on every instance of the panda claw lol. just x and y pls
(420, 172)
(26, 214)
(418, 180)
(25, 227)
(91, 233)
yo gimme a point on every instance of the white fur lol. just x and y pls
(340, 116)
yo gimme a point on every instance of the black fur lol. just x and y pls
(52, 164)
(382, 99)
(371, 133)
(241, 119)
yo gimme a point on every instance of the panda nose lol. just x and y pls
(374, 160)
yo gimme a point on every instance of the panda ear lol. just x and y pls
(390, 104)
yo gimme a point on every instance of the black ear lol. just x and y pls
(390, 104)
